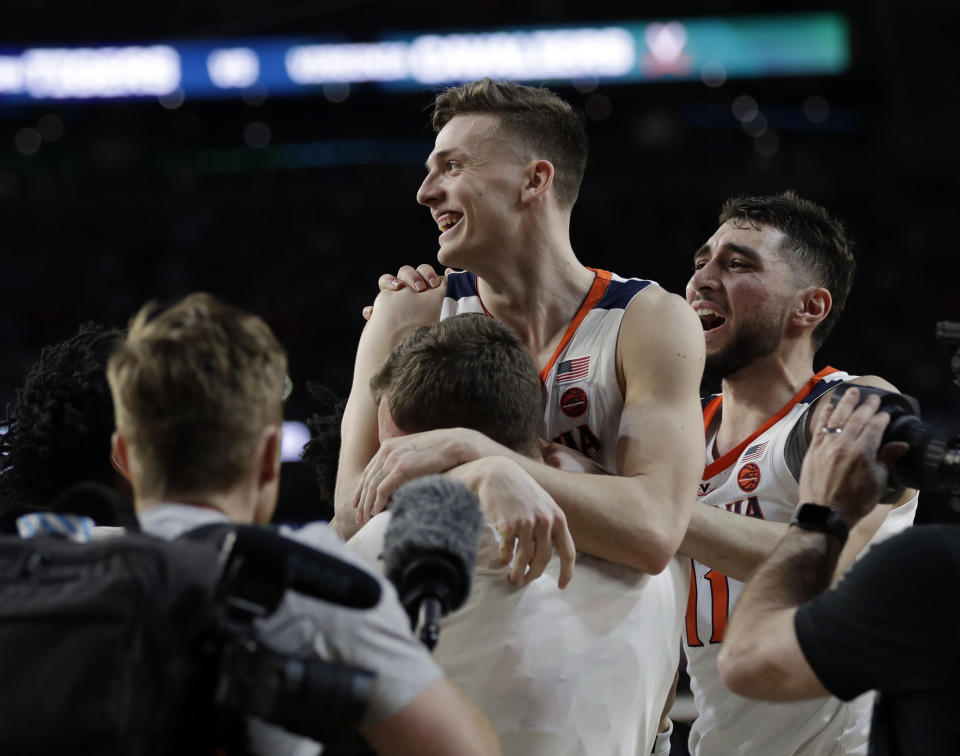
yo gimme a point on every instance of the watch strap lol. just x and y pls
(810, 516)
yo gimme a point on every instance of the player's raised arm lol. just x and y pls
(397, 313)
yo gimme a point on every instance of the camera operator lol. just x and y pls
(892, 623)
(198, 396)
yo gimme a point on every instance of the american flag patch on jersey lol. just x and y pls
(755, 452)
(573, 370)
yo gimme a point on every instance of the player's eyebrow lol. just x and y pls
(741, 249)
(435, 156)
(440, 155)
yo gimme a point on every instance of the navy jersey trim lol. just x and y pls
(822, 387)
(619, 293)
(461, 285)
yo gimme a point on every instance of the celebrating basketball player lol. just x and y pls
(768, 287)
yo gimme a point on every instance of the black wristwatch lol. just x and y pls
(823, 519)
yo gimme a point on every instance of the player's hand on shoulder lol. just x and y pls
(528, 520)
(423, 278)
(404, 310)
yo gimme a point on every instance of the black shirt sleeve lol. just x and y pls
(892, 621)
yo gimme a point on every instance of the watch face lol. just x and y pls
(817, 517)
(814, 514)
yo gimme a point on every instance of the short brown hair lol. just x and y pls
(467, 371)
(814, 239)
(537, 117)
(193, 388)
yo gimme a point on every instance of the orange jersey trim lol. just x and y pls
(601, 281)
(731, 456)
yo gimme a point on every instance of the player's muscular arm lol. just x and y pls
(729, 543)
(398, 313)
(636, 518)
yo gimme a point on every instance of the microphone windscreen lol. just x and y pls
(432, 516)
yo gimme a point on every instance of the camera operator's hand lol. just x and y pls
(845, 467)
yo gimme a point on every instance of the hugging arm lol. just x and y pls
(636, 518)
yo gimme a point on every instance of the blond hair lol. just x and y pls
(539, 119)
(193, 387)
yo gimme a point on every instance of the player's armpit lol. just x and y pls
(564, 458)
(397, 314)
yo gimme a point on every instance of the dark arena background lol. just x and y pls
(269, 151)
(286, 185)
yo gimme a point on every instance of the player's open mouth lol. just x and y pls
(448, 220)
(710, 319)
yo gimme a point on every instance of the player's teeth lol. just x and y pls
(447, 223)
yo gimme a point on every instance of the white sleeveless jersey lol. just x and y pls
(584, 670)
(753, 479)
(583, 396)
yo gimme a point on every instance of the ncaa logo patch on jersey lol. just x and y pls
(749, 477)
(574, 402)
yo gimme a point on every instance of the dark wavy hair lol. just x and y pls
(60, 424)
(814, 239)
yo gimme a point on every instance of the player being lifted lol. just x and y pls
(620, 359)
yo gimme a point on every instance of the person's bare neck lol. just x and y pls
(535, 286)
(237, 505)
(757, 392)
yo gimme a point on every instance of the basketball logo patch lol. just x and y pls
(749, 477)
(574, 402)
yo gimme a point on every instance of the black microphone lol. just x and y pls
(429, 549)
(258, 565)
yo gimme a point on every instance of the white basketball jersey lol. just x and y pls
(573, 672)
(753, 479)
(585, 670)
(583, 396)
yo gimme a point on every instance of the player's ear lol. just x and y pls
(812, 305)
(270, 450)
(538, 178)
(119, 459)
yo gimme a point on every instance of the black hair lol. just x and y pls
(60, 424)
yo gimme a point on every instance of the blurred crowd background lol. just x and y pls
(292, 206)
